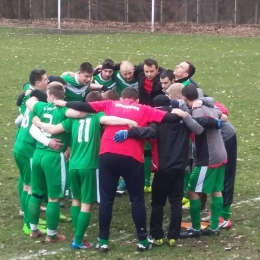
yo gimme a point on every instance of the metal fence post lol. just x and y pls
(89, 10)
(256, 11)
(216, 11)
(235, 16)
(186, 11)
(198, 11)
(161, 12)
(126, 11)
(44, 9)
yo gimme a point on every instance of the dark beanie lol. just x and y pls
(108, 66)
(161, 100)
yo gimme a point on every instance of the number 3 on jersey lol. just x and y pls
(50, 118)
(83, 132)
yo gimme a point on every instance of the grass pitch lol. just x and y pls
(227, 69)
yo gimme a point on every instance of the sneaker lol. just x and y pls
(83, 245)
(42, 222)
(186, 205)
(21, 213)
(121, 186)
(65, 219)
(147, 189)
(26, 230)
(142, 248)
(210, 232)
(102, 249)
(184, 200)
(190, 232)
(171, 242)
(36, 234)
(58, 238)
(208, 218)
(224, 224)
(157, 242)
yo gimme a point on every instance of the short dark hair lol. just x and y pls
(93, 96)
(86, 67)
(108, 61)
(56, 89)
(150, 63)
(167, 74)
(191, 69)
(130, 93)
(111, 95)
(36, 75)
(190, 92)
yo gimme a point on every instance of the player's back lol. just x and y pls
(210, 148)
(48, 113)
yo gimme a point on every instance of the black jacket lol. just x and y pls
(144, 97)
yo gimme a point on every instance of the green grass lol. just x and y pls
(227, 69)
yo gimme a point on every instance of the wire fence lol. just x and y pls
(134, 11)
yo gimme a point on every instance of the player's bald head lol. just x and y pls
(127, 70)
(175, 91)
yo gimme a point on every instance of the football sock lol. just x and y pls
(195, 206)
(52, 216)
(34, 211)
(82, 225)
(216, 206)
(147, 170)
(225, 212)
(26, 214)
(74, 213)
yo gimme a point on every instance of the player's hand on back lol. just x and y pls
(59, 103)
(197, 104)
(55, 144)
(120, 136)
(36, 120)
(178, 112)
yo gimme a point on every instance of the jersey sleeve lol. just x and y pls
(38, 108)
(153, 115)
(67, 124)
(101, 106)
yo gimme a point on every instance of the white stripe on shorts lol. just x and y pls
(63, 172)
(98, 194)
(201, 179)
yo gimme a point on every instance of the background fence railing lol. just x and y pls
(133, 11)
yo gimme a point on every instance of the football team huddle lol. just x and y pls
(96, 133)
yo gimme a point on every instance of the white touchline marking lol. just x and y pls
(122, 237)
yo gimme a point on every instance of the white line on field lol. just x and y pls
(122, 237)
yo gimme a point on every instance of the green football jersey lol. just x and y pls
(85, 143)
(74, 90)
(111, 83)
(23, 108)
(185, 83)
(48, 113)
(25, 144)
(121, 83)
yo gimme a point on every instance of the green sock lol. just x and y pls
(20, 189)
(74, 213)
(186, 182)
(147, 170)
(103, 242)
(195, 206)
(225, 212)
(82, 225)
(23, 202)
(34, 210)
(52, 215)
(27, 220)
(215, 207)
(144, 242)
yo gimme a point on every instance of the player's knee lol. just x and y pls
(53, 200)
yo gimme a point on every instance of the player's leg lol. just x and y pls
(147, 167)
(88, 195)
(20, 190)
(229, 182)
(109, 174)
(132, 171)
(175, 194)
(159, 197)
(213, 184)
(55, 173)
(38, 186)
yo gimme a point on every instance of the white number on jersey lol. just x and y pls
(50, 118)
(86, 123)
(25, 121)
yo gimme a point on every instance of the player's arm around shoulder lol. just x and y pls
(71, 113)
(114, 120)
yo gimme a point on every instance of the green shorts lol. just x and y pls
(24, 165)
(84, 185)
(48, 174)
(207, 180)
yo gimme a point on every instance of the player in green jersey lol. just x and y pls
(48, 165)
(24, 145)
(86, 133)
(78, 83)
